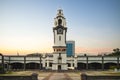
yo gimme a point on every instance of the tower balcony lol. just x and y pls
(59, 48)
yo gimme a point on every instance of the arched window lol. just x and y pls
(59, 38)
(59, 22)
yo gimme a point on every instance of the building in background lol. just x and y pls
(70, 48)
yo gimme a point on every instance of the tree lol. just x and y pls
(116, 52)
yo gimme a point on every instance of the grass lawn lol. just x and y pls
(102, 73)
(112, 73)
(17, 73)
(25, 73)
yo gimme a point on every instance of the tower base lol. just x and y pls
(59, 67)
(59, 61)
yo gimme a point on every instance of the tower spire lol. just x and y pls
(60, 18)
(60, 12)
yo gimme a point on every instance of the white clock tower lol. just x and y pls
(59, 54)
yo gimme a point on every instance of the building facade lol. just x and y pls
(46, 62)
(58, 60)
(70, 48)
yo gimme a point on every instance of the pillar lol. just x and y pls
(2, 71)
(102, 63)
(86, 62)
(118, 62)
(9, 66)
(24, 62)
(47, 62)
(44, 62)
(72, 62)
(40, 64)
(75, 62)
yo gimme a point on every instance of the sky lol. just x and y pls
(26, 25)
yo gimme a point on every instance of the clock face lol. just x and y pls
(60, 31)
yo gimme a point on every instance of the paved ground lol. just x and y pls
(58, 76)
(74, 76)
(43, 75)
(62, 76)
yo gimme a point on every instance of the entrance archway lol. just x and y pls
(81, 66)
(17, 65)
(59, 67)
(95, 65)
(32, 65)
(109, 65)
(69, 65)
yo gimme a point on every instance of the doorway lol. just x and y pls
(59, 67)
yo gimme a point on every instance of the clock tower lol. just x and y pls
(59, 31)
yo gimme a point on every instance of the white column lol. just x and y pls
(47, 62)
(43, 62)
(72, 62)
(75, 62)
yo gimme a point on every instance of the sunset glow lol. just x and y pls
(26, 25)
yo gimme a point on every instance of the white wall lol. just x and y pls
(57, 41)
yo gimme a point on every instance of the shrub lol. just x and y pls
(113, 67)
(1, 68)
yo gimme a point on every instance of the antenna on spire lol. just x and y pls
(60, 12)
(59, 7)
